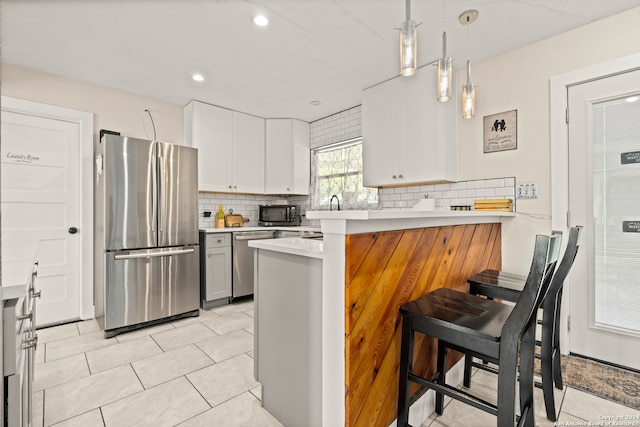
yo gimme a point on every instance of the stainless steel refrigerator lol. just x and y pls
(146, 233)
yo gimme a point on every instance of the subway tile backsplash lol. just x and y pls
(447, 195)
(242, 204)
(338, 127)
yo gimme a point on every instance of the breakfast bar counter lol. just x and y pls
(373, 262)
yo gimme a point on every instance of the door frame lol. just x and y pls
(84, 120)
(559, 150)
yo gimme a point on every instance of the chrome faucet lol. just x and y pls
(331, 202)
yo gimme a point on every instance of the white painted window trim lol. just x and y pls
(85, 121)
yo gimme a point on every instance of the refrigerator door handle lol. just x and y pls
(154, 196)
(161, 199)
(153, 253)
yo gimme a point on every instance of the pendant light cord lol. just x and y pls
(408, 10)
(444, 15)
(444, 29)
(468, 43)
(146, 110)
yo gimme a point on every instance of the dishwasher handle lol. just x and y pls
(253, 236)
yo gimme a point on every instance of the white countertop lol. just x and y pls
(404, 213)
(354, 222)
(259, 228)
(312, 248)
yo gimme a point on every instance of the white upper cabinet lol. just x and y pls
(287, 157)
(230, 148)
(408, 136)
(248, 153)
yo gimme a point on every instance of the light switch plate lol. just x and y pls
(527, 191)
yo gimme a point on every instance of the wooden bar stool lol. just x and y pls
(493, 331)
(508, 287)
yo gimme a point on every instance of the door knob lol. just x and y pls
(73, 230)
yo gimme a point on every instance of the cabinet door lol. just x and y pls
(248, 154)
(301, 158)
(278, 157)
(211, 133)
(429, 151)
(380, 139)
(408, 136)
(218, 265)
(420, 147)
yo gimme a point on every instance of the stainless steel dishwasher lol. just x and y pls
(242, 282)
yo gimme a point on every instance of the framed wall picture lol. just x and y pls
(501, 131)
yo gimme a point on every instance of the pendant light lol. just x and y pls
(468, 89)
(444, 73)
(443, 81)
(408, 45)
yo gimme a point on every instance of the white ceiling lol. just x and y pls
(312, 50)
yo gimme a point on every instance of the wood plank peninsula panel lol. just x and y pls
(383, 271)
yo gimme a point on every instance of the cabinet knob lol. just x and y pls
(400, 176)
(288, 189)
(395, 177)
(230, 187)
(34, 294)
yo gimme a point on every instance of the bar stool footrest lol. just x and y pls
(453, 392)
(484, 367)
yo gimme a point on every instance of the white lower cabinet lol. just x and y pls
(287, 157)
(288, 336)
(215, 269)
(408, 136)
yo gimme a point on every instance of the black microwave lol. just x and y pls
(279, 215)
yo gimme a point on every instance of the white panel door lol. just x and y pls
(41, 210)
(604, 197)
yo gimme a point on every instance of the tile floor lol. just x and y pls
(191, 372)
(199, 372)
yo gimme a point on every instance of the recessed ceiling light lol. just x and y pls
(198, 77)
(632, 99)
(315, 103)
(260, 20)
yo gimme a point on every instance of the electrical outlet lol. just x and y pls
(533, 191)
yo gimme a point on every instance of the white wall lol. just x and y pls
(520, 80)
(113, 110)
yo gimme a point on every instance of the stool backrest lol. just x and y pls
(570, 252)
(545, 257)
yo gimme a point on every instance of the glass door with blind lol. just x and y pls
(604, 196)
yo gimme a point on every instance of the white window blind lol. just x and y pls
(616, 201)
(337, 170)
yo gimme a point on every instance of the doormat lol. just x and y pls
(609, 382)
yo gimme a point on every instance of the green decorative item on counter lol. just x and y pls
(220, 217)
